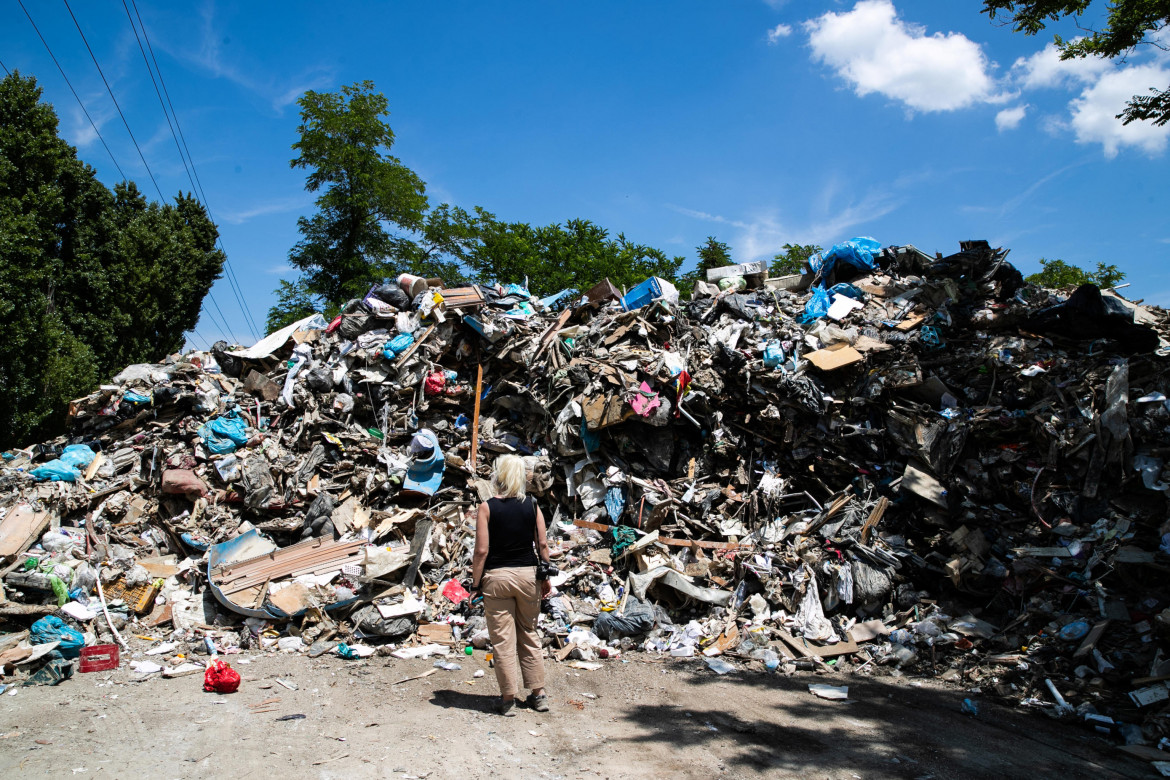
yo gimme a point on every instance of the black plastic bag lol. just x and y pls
(393, 295)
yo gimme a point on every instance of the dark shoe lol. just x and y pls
(538, 703)
(506, 708)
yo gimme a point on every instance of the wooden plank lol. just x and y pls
(874, 518)
(422, 531)
(1091, 639)
(670, 541)
(409, 353)
(802, 646)
(550, 334)
(20, 528)
(94, 465)
(471, 461)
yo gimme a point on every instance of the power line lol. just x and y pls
(106, 146)
(233, 282)
(92, 56)
(156, 92)
(6, 70)
(227, 329)
(196, 333)
(71, 89)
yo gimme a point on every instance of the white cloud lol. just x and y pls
(875, 51)
(778, 32)
(272, 207)
(762, 234)
(1010, 118)
(1105, 88)
(1093, 113)
(1045, 69)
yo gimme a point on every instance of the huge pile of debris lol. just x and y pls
(892, 464)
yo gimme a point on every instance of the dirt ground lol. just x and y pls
(643, 718)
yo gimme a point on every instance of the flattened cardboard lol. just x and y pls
(832, 358)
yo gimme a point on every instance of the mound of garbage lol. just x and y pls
(894, 463)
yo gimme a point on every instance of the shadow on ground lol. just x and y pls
(884, 729)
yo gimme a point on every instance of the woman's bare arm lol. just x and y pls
(479, 557)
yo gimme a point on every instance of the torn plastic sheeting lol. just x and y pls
(857, 253)
(301, 355)
(672, 579)
(275, 340)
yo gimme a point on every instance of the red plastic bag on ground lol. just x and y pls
(221, 678)
(455, 592)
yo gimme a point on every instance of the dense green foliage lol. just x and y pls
(1131, 23)
(373, 221)
(792, 259)
(90, 279)
(1057, 274)
(712, 254)
(577, 254)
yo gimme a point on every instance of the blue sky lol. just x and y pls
(759, 122)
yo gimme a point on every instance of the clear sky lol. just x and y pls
(761, 122)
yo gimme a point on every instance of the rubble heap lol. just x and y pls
(895, 463)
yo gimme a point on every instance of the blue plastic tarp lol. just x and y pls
(856, 252)
(224, 434)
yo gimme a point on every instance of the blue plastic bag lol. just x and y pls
(224, 434)
(78, 456)
(817, 306)
(52, 628)
(397, 345)
(55, 471)
(773, 354)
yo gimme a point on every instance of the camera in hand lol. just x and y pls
(545, 570)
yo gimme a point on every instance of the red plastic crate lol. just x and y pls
(99, 658)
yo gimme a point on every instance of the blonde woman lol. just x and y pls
(509, 535)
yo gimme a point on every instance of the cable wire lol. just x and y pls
(92, 56)
(114, 160)
(6, 70)
(71, 89)
(159, 94)
(233, 282)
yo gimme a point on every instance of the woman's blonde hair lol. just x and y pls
(509, 478)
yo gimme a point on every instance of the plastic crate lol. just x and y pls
(139, 598)
(99, 658)
(649, 291)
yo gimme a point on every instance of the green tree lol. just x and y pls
(362, 190)
(578, 254)
(1057, 274)
(373, 218)
(90, 279)
(712, 254)
(792, 259)
(1129, 24)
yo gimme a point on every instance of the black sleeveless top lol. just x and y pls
(511, 533)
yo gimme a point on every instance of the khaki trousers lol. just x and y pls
(511, 602)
